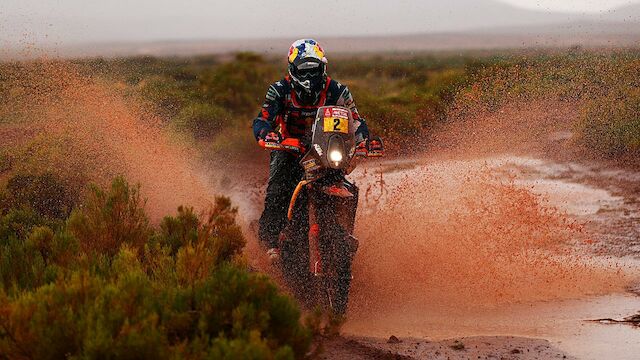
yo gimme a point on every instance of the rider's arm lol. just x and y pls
(266, 120)
(346, 99)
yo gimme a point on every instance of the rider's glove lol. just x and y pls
(375, 147)
(274, 255)
(361, 149)
(272, 137)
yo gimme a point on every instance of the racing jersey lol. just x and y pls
(281, 109)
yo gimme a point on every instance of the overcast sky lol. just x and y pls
(73, 21)
(569, 5)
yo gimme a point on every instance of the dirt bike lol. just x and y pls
(320, 273)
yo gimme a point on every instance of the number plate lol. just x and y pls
(336, 125)
(336, 120)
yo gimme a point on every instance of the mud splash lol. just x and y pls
(103, 133)
(462, 237)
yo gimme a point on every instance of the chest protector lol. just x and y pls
(296, 119)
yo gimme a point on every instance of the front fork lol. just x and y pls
(343, 198)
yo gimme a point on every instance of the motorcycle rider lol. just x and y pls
(288, 112)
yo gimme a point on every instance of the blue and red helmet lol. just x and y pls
(307, 69)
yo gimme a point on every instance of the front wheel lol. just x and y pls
(337, 252)
(335, 217)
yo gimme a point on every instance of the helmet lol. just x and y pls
(307, 69)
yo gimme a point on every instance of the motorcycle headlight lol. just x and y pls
(335, 156)
(337, 153)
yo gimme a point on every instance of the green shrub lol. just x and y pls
(18, 222)
(84, 316)
(121, 290)
(166, 94)
(232, 312)
(37, 260)
(219, 232)
(221, 225)
(610, 124)
(239, 85)
(218, 240)
(53, 158)
(5, 162)
(108, 220)
(20, 266)
(201, 120)
(45, 193)
(237, 304)
(573, 76)
(421, 101)
(178, 231)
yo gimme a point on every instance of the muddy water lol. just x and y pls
(494, 246)
(561, 322)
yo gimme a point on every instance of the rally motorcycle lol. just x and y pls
(319, 271)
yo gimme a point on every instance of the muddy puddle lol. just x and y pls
(560, 322)
(498, 246)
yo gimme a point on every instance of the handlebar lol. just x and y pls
(372, 148)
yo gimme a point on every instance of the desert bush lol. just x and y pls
(201, 120)
(420, 101)
(18, 222)
(20, 266)
(218, 232)
(84, 316)
(201, 246)
(180, 230)
(573, 76)
(603, 85)
(221, 225)
(38, 259)
(129, 315)
(610, 124)
(123, 290)
(45, 193)
(109, 219)
(5, 162)
(239, 85)
(49, 162)
(200, 97)
(32, 243)
(245, 306)
(166, 94)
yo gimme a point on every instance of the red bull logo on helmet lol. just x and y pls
(304, 49)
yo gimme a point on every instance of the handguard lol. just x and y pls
(291, 145)
(375, 147)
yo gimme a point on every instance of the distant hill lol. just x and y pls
(349, 26)
(516, 38)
